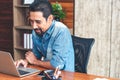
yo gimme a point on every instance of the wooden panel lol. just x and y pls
(62, 0)
(115, 40)
(68, 7)
(93, 19)
(6, 23)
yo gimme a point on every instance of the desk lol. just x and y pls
(65, 76)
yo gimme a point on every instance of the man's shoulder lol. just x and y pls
(60, 26)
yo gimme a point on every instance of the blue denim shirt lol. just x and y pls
(56, 46)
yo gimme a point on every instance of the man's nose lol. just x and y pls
(34, 25)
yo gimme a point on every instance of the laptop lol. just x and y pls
(7, 66)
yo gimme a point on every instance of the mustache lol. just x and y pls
(39, 31)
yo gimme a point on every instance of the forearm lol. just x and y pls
(45, 64)
(31, 58)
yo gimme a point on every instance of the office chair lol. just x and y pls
(82, 48)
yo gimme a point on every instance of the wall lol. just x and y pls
(6, 24)
(68, 7)
(100, 19)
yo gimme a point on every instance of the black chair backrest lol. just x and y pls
(82, 48)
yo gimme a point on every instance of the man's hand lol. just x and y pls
(30, 57)
(22, 62)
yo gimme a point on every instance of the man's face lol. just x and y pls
(39, 23)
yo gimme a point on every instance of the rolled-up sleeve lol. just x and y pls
(60, 49)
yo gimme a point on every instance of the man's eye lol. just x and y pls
(31, 21)
(38, 21)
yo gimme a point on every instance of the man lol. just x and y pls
(52, 43)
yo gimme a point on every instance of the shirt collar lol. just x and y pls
(50, 30)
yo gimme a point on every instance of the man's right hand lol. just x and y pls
(22, 62)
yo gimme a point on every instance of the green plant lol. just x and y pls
(58, 11)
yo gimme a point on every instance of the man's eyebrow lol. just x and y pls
(37, 21)
(34, 20)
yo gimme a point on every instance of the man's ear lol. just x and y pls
(50, 18)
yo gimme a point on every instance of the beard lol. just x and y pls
(39, 31)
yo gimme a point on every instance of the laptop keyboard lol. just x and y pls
(22, 72)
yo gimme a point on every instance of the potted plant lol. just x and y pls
(58, 12)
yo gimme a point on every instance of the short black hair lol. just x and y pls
(43, 6)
